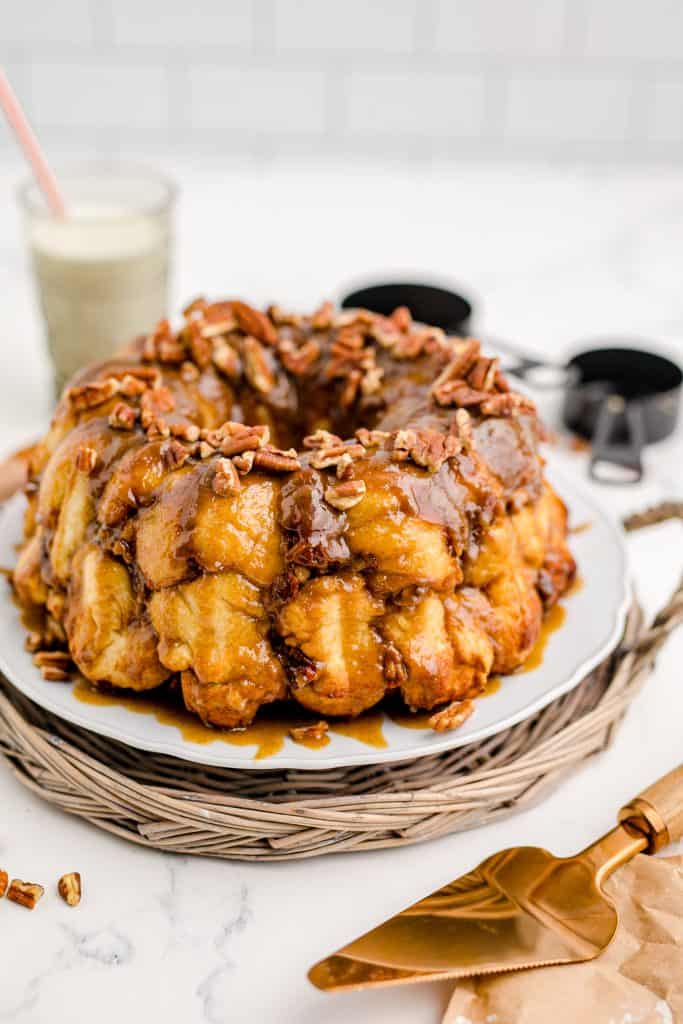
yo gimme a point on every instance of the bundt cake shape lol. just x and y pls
(321, 508)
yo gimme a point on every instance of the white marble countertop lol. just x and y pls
(557, 256)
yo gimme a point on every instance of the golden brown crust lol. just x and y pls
(269, 505)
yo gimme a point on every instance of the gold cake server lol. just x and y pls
(520, 908)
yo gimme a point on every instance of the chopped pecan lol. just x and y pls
(244, 463)
(26, 894)
(60, 659)
(87, 459)
(203, 450)
(408, 346)
(225, 481)
(4, 882)
(463, 356)
(299, 360)
(321, 439)
(221, 326)
(458, 392)
(402, 442)
(226, 360)
(506, 404)
(315, 732)
(170, 350)
(372, 380)
(372, 438)
(363, 317)
(394, 667)
(432, 449)
(161, 333)
(501, 381)
(196, 307)
(255, 323)
(123, 416)
(349, 392)
(189, 372)
(70, 889)
(243, 439)
(185, 431)
(283, 318)
(34, 640)
(87, 396)
(276, 460)
(257, 367)
(53, 674)
(346, 494)
(174, 454)
(402, 318)
(157, 428)
(324, 458)
(200, 347)
(462, 426)
(131, 386)
(483, 374)
(154, 402)
(452, 716)
(322, 318)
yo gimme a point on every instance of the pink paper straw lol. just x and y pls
(31, 147)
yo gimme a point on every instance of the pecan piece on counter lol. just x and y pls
(254, 323)
(87, 396)
(276, 460)
(70, 889)
(4, 882)
(225, 481)
(87, 459)
(257, 367)
(452, 716)
(26, 894)
(346, 494)
(314, 732)
(123, 416)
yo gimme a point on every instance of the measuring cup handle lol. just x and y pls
(626, 454)
(658, 811)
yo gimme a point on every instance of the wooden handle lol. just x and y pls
(658, 811)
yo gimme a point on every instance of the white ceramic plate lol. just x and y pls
(595, 616)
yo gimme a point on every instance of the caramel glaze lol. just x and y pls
(498, 470)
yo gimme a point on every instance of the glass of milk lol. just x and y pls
(102, 271)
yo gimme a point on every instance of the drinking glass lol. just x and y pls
(101, 271)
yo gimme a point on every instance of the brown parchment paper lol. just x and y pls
(637, 980)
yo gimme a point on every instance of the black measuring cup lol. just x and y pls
(429, 304)
(618, 398)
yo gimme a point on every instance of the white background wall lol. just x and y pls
(576, 79)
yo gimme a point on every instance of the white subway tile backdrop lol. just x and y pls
(417, 78)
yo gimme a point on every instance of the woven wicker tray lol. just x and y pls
(170, 804)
